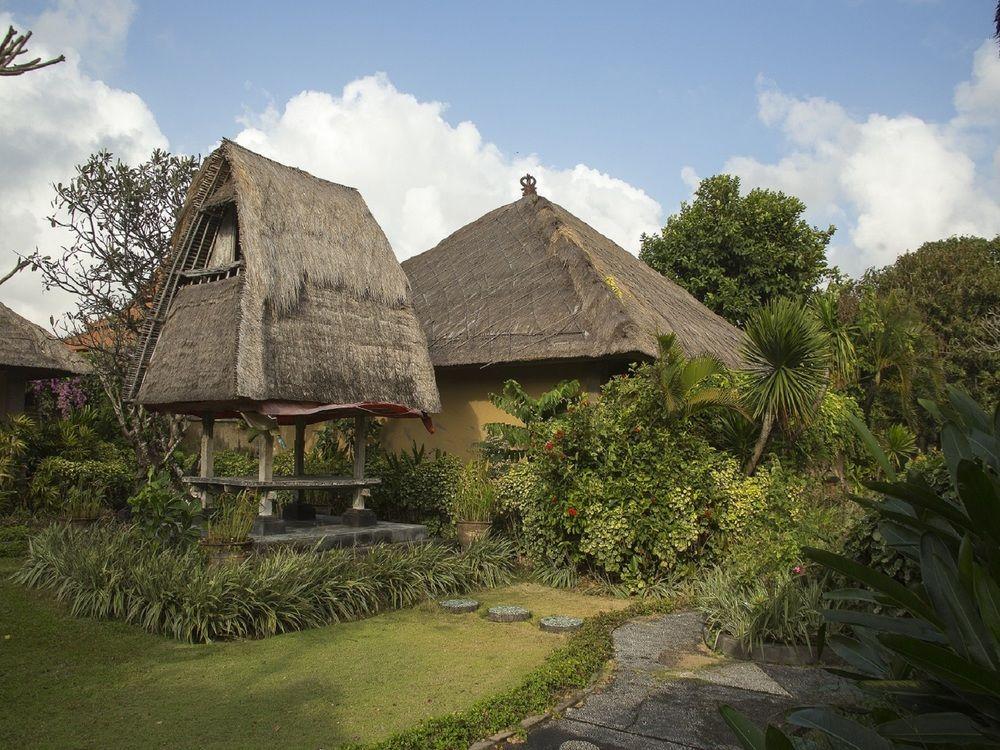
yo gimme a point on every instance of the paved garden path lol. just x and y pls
(665, 691)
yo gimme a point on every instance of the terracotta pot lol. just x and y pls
(470, 531)
(226, 553)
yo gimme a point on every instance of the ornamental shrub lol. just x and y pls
(416, 487)
(112, 476)
(612, 489)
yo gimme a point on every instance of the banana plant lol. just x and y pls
(931, 654)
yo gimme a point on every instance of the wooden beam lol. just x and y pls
(207, 452)
(360, 441)
(300, 455)
(265, 471)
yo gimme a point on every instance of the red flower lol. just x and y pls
(548, 445)
(797, 570)
(571, 511)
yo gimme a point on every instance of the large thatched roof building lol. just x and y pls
(284, 303)
(28, 352)
(529, 291)
(288, 299)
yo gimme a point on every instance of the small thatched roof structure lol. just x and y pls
(532, 282)
(285, 298)
(33, 352)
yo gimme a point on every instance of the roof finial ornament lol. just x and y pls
(528, 185)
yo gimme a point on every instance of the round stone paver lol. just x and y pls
(560, 624)
(459, 606)
(508, 613)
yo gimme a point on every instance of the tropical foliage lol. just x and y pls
(517, 402)
(788, 360)
(690, 386)
(116, 573)
(933, 660)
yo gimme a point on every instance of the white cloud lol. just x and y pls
(889, 183)
(52, 120)
(424, 177)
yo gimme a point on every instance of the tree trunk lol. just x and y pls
(758, 449)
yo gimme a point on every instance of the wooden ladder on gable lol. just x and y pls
(191, 252)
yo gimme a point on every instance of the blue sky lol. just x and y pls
(879, 113)
(637, 90)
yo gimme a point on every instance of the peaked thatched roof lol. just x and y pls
(314, 310)
(32, 350)
(530, 281)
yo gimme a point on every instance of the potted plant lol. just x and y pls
(227, 533)
(83, 506)
(475, 502)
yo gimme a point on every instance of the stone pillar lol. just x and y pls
(358, 515)
(207, 453)
(265, 472)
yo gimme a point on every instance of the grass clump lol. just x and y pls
(763, 607)
(475, 495)
(114, 572)
(233, 521)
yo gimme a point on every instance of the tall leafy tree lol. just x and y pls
(737, 252)
(119, 219)
(954, 287)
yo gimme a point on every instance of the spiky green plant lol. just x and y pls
(690, 386)
(475, 495)
(83, 503)
(787, 367)
(114, 572)
(233, 520)
(899, 443)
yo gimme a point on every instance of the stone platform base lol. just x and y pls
(330, 533)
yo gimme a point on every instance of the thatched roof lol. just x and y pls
(530, 281)
(34, 352)
(311, 308)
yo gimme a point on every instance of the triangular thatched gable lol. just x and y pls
(284, 290)
(531, 282)
(33, 352)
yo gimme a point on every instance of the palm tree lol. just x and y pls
(894, 346)
(788, 358)
(688, 386)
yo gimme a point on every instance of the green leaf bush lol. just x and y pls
(416, 487)
(612, 488)
(115, 572)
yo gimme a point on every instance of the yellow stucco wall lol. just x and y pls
(465, 405)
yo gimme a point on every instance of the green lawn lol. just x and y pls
(72, 683)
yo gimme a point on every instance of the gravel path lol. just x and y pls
(665, 691)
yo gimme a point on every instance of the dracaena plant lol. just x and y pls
(931, 655)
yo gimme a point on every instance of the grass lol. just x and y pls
(80, 683)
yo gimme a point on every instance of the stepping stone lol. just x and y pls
(560, 624)
(508, 613)
(459, 606)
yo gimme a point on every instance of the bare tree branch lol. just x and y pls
(119, 219)
(13, 47)
(21, 264)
